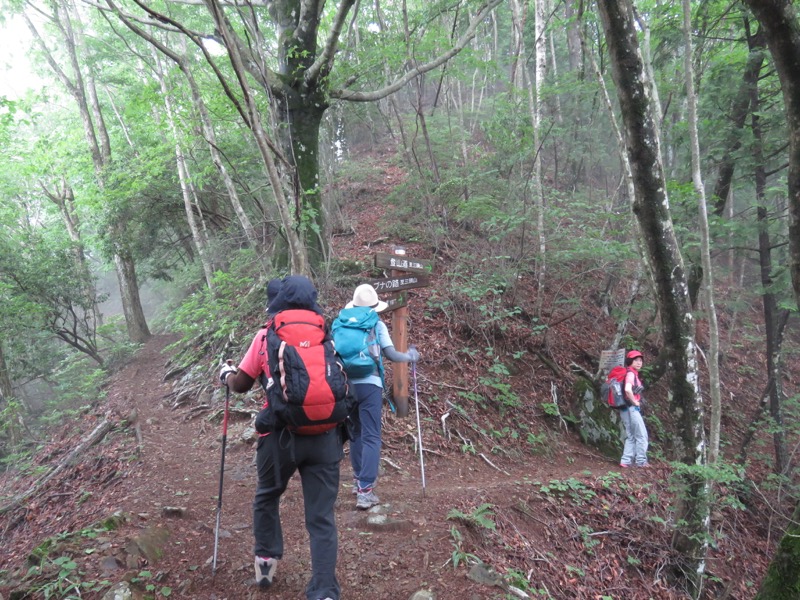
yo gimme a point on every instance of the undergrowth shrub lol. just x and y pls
(209, 320)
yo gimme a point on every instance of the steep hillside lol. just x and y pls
(514, 505)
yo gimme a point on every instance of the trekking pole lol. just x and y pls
(419, 426)
(221, 476)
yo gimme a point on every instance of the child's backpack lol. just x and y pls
(357, 342)
(613, 390)
(310, 392)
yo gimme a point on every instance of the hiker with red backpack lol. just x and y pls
(301, 427)
(361, 340)
(636, 440)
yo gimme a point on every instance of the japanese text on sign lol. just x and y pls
(611, 358)
(395, 284)
(402, 263)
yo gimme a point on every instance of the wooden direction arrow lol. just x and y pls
(396, 301)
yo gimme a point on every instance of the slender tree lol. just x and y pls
(781, 25)
(97, 138)
(772, 317)
(740, 108)
(184, 64)
(187, 189)
(651, 207)
(540, 54)
(705, 239)
(779, 19)
(300, 90)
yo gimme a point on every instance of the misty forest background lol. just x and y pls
(181, 153)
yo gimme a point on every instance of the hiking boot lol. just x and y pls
(366, 498)
(265, 571)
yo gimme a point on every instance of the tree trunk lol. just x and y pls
(125, 266)
(782, 33)
(651, 207)
(300, 140)
(573, 12)
(738, 115)
(770, 305)
(782, 581)
(138, 331)
(519, 14)
(423, 126)
(705, 242)
(298, 257)
(198, 236)
(540, 53)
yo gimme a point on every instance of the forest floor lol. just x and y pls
(564, 522)
(178, 468)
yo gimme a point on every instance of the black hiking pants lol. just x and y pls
(317, 458)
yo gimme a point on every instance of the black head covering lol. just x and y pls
(273, 289)
(296, 291)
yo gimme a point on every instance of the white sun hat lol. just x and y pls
(365, 295)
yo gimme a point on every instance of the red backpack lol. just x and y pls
(310, 393)
(613, 390)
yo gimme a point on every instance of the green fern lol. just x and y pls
(482, 516)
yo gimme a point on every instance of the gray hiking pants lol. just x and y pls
(636, 439)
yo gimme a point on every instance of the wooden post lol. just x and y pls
(407, 273)
(400, 340)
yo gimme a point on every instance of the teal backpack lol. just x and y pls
(356, 341)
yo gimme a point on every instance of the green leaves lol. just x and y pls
(480, 517)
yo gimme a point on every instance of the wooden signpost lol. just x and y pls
(406, 274)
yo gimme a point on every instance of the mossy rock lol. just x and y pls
(114, 521)
(599, 426)
(149, 544)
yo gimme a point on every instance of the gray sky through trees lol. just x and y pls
(17, 76)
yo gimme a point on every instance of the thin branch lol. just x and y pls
(324, 61)
(352, 96)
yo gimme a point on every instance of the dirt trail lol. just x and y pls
(589, 531)
(179, 467)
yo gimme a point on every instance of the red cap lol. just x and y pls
(634, 354)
